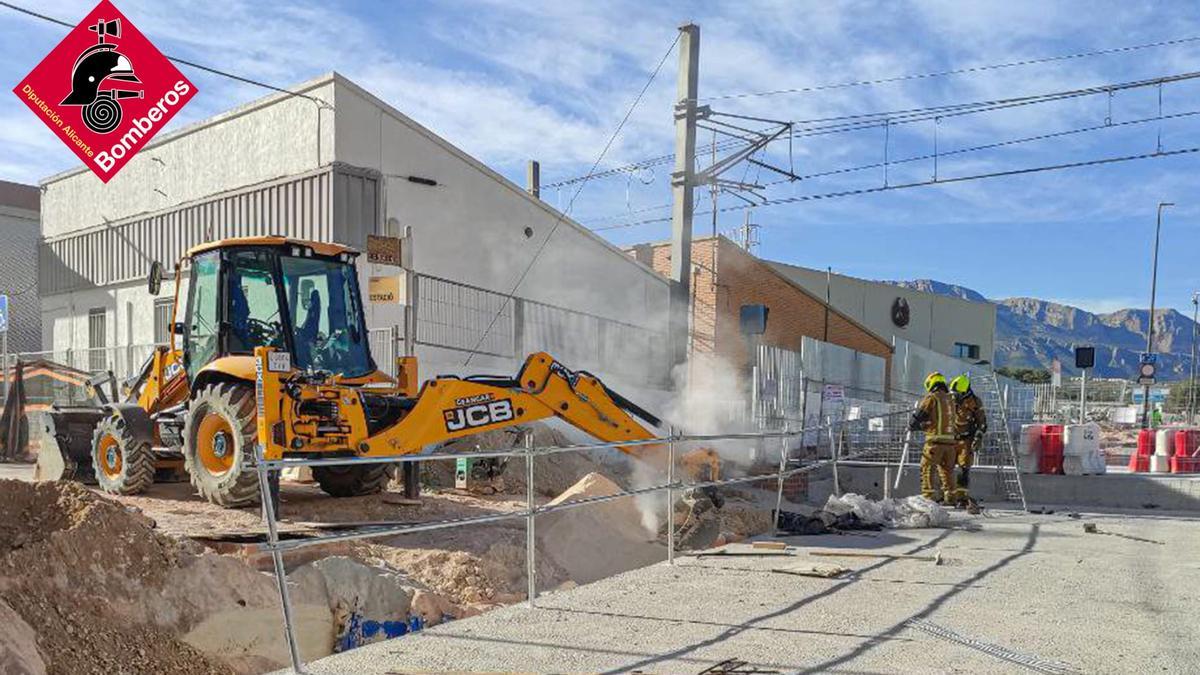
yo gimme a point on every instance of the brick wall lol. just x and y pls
(725, 277)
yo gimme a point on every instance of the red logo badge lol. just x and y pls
(105, 90)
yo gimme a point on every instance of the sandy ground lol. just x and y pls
(1035, 587)
(178, 511)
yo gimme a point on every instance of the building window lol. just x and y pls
(965, 351)
(162, 321)
(97, 339)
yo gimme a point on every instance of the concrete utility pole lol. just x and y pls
(1192, 377)
(533, 178)
(1150, 328)
(683, 183)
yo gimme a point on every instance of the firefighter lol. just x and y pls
(970, 424)
(935, 416)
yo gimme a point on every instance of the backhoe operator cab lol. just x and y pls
(271, 348)
(288, 297)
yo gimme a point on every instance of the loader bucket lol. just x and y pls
(63, 440)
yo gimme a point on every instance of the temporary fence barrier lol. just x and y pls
(846, 441)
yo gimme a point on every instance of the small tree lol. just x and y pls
(1025, 375)
(1177, 397)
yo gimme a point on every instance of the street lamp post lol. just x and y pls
(1150, 328)
(1192, 377)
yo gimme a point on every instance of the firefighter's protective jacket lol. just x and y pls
(935, 416)
(969, 416)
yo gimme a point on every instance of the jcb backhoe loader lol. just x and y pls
(283, 318)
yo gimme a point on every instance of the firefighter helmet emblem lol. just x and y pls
(96, 65)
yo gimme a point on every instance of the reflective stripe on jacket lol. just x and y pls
(938, 409)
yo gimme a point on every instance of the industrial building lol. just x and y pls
(725, 278)
(18, 264)
(948, 325)
(333, 162)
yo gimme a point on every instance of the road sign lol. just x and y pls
(1085, 357)
(1157, 395)
(1148, 365)
(1146, 373)
(3, 313)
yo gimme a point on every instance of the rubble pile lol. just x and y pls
(856, 512)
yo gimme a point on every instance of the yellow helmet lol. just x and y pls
(961, 384)
(933, 379)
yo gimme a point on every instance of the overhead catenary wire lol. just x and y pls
(915, 184)
(956, 71)
(860, 121)
(903, 160)
(570, 204)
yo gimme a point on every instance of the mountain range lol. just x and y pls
(1031, 333)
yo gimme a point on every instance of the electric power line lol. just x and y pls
(562, 216)
(938, 181)
(956, 71)
(902, 160)
(861, 121)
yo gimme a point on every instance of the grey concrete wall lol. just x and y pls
(1114, 490)
(18, 276)
(936, 321)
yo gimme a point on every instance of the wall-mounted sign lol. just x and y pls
(833, 392)
(385, 250)
(900, 312)
(387, 290)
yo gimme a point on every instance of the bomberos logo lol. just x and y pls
(105, 90)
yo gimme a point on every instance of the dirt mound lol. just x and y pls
(599, 540)
(80, 571)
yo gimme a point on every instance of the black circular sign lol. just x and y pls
(900, 313)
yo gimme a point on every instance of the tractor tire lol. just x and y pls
(352, 481)
(218, 445)
(123, 465)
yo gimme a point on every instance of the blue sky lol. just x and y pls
(508, 81)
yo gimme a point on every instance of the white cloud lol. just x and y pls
(550, 80)
(1102, 305)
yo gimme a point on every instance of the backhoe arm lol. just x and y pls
(296, 416)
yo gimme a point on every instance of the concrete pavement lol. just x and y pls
(1013, 588)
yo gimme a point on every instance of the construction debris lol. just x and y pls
(935, 558)
(1091, 528)
(852, 512)
(813, 570)
(748, 550)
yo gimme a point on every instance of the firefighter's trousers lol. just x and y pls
(964, 459)
(939, 457)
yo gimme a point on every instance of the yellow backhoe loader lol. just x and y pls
(273, 349)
